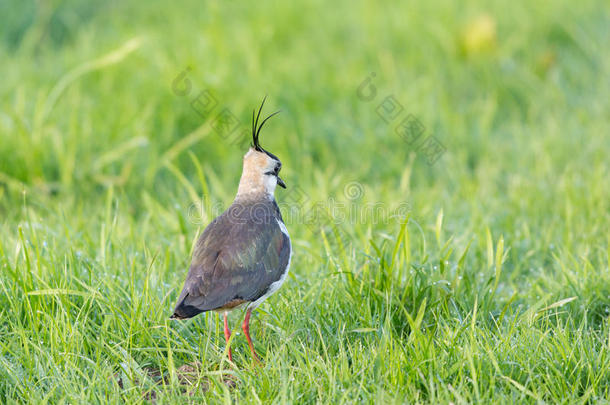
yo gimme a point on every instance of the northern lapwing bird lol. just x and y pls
(242, 257)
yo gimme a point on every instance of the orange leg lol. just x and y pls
(228, 336)
(246, 328)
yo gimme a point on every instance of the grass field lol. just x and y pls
(469, 267)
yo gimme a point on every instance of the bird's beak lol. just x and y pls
(280, 182)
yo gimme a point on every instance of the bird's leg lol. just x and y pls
(246, 327)
(228, 336)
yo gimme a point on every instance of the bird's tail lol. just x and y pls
(185, 311)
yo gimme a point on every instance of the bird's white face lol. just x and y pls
(260, 174)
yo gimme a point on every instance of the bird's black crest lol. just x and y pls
(256, 129)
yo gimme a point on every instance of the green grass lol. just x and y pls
(492, 285)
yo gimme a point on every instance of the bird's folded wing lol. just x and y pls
(235, 260)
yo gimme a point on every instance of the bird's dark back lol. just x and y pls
(237, 257)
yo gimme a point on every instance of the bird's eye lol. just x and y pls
(275, 170)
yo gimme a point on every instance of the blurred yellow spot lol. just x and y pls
(479, 35)
(545, 62)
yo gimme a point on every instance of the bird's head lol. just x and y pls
(261, 168)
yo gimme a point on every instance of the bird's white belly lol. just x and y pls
(277, 284)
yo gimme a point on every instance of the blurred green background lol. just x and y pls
(103, 157)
